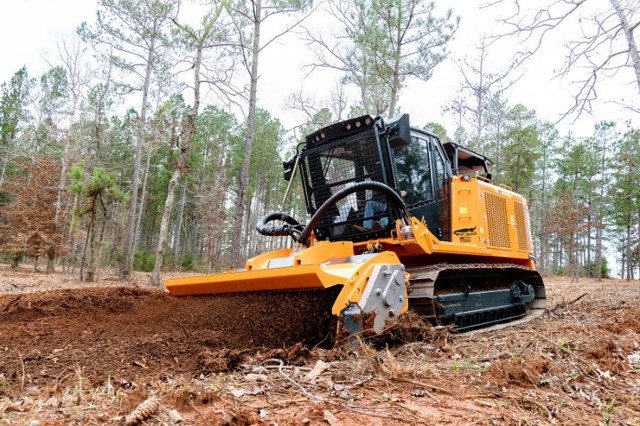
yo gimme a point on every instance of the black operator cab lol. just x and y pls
(340, 156)
(423, 178)
(410, 161)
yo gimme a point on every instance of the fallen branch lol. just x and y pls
(184, 329)
(344, 406)
(564, 304)
(10, 304)
(23, 372)
(426, 385)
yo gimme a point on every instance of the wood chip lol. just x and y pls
(330, 418)
(175, 416)
(318, 369)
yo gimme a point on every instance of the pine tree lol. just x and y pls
(98, 192)
(381, 44)
(13, 114)
(133, 33)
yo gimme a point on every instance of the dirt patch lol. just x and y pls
(520, 371)
(191, 397)
(133, 399)
(124, 333)
(624, 320)
(602, 348)
(211, 362)
(90, 356)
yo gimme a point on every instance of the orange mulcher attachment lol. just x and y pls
(374, 285)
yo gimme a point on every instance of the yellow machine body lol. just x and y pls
(495, 217)
(484, 273)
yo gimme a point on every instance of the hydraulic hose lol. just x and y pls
(392, 196)
(290, 226)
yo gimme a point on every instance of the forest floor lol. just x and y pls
(74, 353)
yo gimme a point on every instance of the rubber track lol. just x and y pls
(422, 285)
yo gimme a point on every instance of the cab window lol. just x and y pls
(412, 163)
(439, 170)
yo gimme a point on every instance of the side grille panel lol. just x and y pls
(497, 220)
(521, 227)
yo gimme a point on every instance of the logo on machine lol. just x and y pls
(465, 232)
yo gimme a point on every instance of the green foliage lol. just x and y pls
(55, 93)
(438, 130)
(521, 151)
(384, 43)
(208, 34)
(13, 105)
(266, 164)
(604, 269)
(100, 184)
(322, 118)
(129, 28)
(143, 261)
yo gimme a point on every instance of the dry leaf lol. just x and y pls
(317, 370)
(330, 418)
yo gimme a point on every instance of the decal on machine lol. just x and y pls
(465, 232)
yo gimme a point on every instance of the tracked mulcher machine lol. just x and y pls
(399, 221)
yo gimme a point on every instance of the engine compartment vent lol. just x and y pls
(497, 221)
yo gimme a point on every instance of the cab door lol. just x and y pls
(422, 180)
(442, 188)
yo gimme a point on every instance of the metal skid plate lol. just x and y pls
(383, 299)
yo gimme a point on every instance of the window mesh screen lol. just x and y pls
(332, 167)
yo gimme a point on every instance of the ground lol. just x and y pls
(78, 353)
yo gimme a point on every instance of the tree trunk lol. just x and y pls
(236, 244)
(628, 33)
(93, 253)
(164, 227)
(3, 171)
(395, 87)
(63, 175)
(51, 257)
(628, 249)
(143, 200)
(598, 271)
(176, 233)
(516, 188)
(127, 255)
(588, 254)
(64, 162)
(600, 214)
(15, 260)
(182, 164)
(573, 257)
(89, 239)
(544, 250)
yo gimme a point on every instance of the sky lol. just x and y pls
(29, 28)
